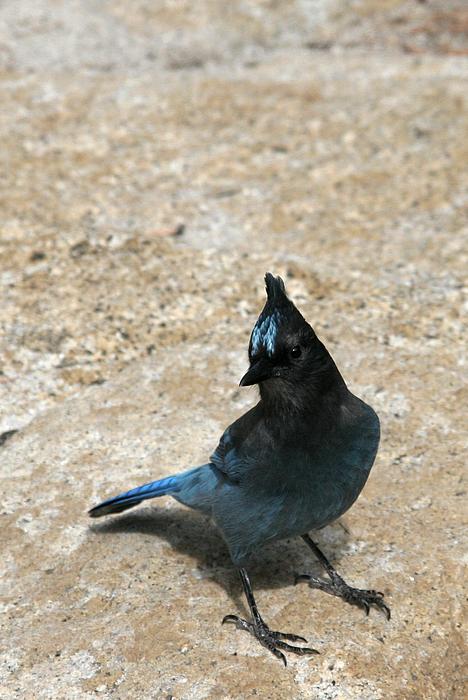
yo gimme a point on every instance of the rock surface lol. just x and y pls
(322, 143)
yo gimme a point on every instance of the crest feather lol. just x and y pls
(274, 287)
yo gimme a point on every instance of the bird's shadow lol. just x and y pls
(192, 534)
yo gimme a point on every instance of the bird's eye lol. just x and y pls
(296, 352)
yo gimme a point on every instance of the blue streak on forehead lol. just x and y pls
(265, 332)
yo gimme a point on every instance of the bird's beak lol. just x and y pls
(258, 372)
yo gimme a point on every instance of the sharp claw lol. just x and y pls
(296, 638)
(291, 637)
(229, 618)
(279, 655)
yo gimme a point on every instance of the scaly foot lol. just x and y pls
(269, 639)
(355, 596)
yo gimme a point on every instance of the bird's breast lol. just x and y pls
(318, 480)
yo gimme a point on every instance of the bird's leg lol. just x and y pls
(337, 586)
(256, 626)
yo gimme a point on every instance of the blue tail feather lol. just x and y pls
(161, 487)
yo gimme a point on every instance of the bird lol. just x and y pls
(292, 464)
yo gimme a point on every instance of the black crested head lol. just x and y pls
(286, 357)
(278, 321)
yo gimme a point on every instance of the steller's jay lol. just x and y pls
(294, 462)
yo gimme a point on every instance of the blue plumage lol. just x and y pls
(265, 332)
(295, 462)
(162, 487)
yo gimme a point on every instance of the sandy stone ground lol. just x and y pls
(156, 159)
